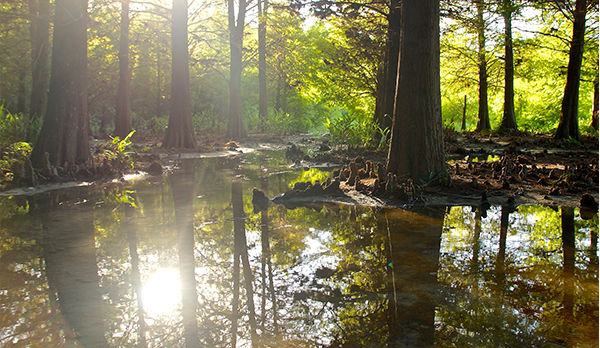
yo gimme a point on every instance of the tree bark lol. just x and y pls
(483, 121)
(235, 125)
(391, 74)
(40, 53)
(416, 148)
(568, 126)
(509, 120)
(123, 112)
(263, 107)
(64, 134)
(180, 131)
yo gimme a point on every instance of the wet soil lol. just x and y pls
(516, 170)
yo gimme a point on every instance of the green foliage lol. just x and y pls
(207, 122)
(14, 128)
(348, 129)
(11, 158)
(117, 151)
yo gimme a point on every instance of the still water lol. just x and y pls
(184, 260)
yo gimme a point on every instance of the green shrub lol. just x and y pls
(352, 129)
(11, 158)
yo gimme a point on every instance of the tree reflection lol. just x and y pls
(182, 185)
(568, 240)
(136, 281)
(241, 253)
(414, 245)
(70, 259)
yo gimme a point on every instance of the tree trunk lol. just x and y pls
(235, 126)
(378, 114)
(568, 127)
(40, 50)
(391, 74)
(463, 126)
(180, 132)
(509, 121)
(64, 134)
(123, 112)
(158, 85)
(483, 122)
(416, 148)
(263, 107)
(595, 106)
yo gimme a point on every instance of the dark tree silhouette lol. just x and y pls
(64, 134)
(416, 148)
(483, 121)
(568, 126)
(40, 53)
(180, 132)
(123, 112)
(509, 120)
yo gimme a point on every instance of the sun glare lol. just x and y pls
(162, 292)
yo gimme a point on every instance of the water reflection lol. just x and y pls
(186, 262)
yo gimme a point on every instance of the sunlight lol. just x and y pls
(162, 292)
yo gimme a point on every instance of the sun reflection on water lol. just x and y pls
(161, 293)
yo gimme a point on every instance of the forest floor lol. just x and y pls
(499, 170)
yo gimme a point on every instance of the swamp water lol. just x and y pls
(190, 263)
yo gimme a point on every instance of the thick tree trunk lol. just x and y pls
(180, 132)
(568, 126)
(416, 148)
(64, 134)
(263, 107)
(40, 53)
(235, 126)
(483, 122)
(123, 112)
(509, 121)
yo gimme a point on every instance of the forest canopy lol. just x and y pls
(323, 65)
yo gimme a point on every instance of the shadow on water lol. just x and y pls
(187, 261)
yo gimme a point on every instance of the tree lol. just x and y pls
(64, 134)
(416, 148)
(483, 121)
(235, 125)
(123, 112)
(40, 50)
(509, 121)
(180, 132)
(384, 117)
(568, 126)
(263, 107)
